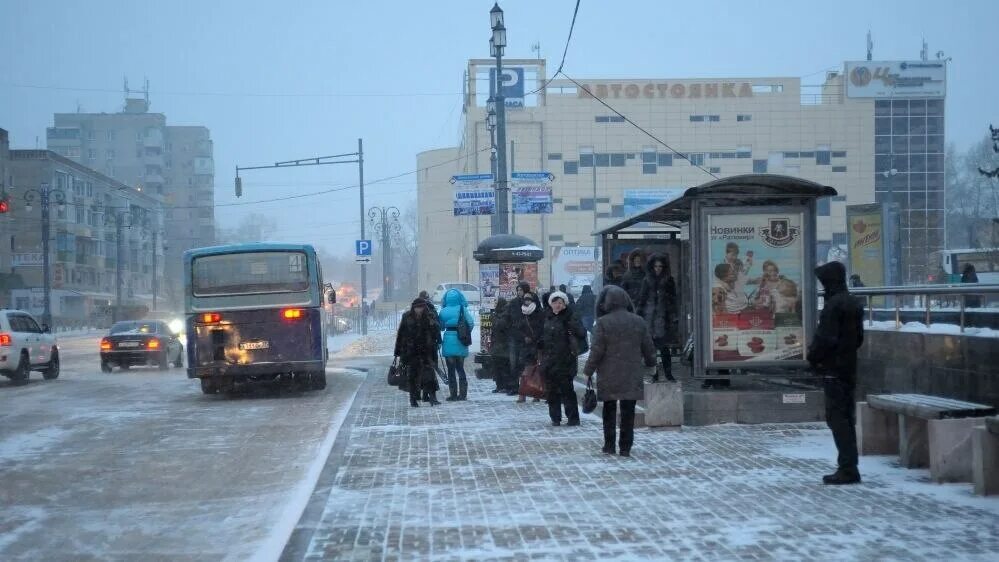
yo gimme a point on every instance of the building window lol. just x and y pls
(715, 169)
(609, 119)
(807, 154)
(790, 155)
(617, 210)
(839, 168)
(697, 159)
(554, 155)
(587, 204)
(91, 154)
(109, 154)
(555, 238)
(822, 156)
(602, 160)
(570, 168)
(759, 166)
(665, 159)
(714, 118)
(109, 134)
(839, 238)
(744, 151)
(586, 157)
(696, 118)
(648, 155)
(743, 117)
(649, 168)
(617, 160)
(571, 207)
(839, 154)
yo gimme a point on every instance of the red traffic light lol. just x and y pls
(4, 205)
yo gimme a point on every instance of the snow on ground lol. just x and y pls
(889, 326)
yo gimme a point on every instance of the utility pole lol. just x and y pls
(513, 211)
(351, 158)
(117, 218)
(497, 43)
(155, 275)
(44, 194)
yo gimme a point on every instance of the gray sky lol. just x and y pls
(277, 81)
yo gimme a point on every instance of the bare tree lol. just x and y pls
(407, 264)
(972, 196)
(256, 227)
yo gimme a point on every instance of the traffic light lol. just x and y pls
(239, 186)
(4, 205)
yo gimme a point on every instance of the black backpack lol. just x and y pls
(464, 330)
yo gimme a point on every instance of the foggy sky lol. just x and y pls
(278, 81)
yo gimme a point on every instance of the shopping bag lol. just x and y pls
(394, 374)
(589, 397)
(532, 383)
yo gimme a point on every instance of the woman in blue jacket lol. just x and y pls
(454, 352)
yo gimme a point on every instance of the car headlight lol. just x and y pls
(176, 325)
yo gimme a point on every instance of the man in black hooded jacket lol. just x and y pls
(833, 353)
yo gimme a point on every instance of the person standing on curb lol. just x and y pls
(559, 349)
(657, 304)
(622, 348)
(499, 351)
(515, 339)
(454, 306)
(416, 347)
(632, 280)
(585, 307)
(833, 354)
(529, 321)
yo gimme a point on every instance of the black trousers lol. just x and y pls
(501, 371)
(841, 417)
(561, 393)
(421, 378)
(627, 423)
(456, 365)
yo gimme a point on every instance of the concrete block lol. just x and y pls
(877, 431)
(950, 448)
(913, 443)
(985, 461)
(711, 400)
(663, 404)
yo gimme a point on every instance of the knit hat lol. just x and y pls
(557, 295)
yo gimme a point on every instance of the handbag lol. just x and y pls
(589, 397)
(394, 374)
(531, 382)
(464, 330)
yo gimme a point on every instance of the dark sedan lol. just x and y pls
(138, 342)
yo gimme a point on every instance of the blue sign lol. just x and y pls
(474, 195)
(512, 87)
(362, 248)
(532, 192)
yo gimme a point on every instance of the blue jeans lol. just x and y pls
(456, 364)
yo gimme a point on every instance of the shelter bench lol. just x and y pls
(925, 431)
(985, 457)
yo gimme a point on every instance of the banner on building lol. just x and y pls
(756, 264)
(532, 192)
(575, 267)
(474, 195)
(896, 79)
(638, 200)
(512, 86)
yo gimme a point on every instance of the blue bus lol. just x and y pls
(255, 312)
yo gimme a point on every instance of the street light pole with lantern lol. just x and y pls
(44, 193)
(497, 43)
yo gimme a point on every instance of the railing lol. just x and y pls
(923, 298)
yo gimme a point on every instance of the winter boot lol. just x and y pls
(414, 403)
(842, 476)
(462, 391)
(433, 399)
(608, 449)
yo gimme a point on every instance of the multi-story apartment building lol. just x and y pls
(171, 163)
(873, 131)
(87, 212)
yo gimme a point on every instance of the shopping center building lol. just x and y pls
(873, 130)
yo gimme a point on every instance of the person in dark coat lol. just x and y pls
(544, 297)
(528, 325)
(499, 349)
(855, 281)
(559, 352)
(632, 280)
(515, 340)
(572, 299)
(622, 349)
(969, 275)
(430, 304)
(833, 354)
(657, 305)
(416, 347)
(613, 274)
(586, 306)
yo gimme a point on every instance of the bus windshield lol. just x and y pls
(247, 273)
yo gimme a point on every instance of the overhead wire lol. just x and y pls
(565, 50)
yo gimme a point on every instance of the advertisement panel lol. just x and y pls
(495, 281)
(474, 195)
(510, 274)
(532, 192)
(865, 233)
(638, 200)
(756, 263)
(896, 79)
(512, 87)
(575, 267)
(488, 284)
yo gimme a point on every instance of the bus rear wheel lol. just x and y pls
(209, 386)
(317, 380)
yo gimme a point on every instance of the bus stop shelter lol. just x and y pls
(742, 252)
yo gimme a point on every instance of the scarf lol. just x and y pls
(529, 308)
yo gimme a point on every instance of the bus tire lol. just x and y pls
(208, 386)
(317, 380)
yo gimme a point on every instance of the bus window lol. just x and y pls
(248, 273)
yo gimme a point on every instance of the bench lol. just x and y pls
(925, 431)
(985, 457)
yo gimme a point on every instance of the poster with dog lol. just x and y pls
(756, 262)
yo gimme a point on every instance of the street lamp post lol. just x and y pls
(385, 223)
(43, 194)
(497, 43)
(120, 218)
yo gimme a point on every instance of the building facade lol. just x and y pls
(842, 133)
(173, 164)
(87, 212)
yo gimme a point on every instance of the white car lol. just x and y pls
(470, 291)
(25, 346)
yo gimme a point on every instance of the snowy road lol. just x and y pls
(142, 465)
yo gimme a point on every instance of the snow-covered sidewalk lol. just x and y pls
(491, 479)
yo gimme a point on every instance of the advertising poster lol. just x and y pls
(485, 330)
(474, 195)
(575, 267)
(865, 233)
(756, 264)
(531, 192)
(510, 274)
(489, 284)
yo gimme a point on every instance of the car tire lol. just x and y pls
(51, 371)
(163, 363)
(209, 386)
(105, 367)
(23, 370)
(124, 366)
(179, 363)
(317, 380)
